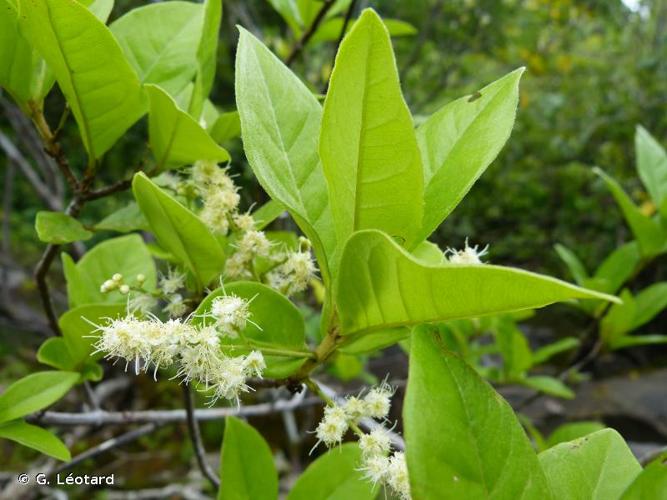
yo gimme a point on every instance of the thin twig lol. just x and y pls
(308, 34)
(103, 417)
(195, 437)
(116, 187)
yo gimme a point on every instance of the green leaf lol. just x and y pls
(650, 484)
(618, 267)
(36, 438)
(59, 228)
(206, 56)
(618, 321)
(599, 466)
(124, 220)
(549, 385)
(267, 213)
(334, 476)
(381, 285)
(429, 253)
(276, 323)
(280, 119)
(637, 340)
(246, 465)
(549, 351)
(649, 303)
(54, 352)
(329, 31)
(289, 11)
(648, 232)
(102, 89)
(227, 126)
(23, 72)
(175, 138)
(574, 265)
(35, 392)
(374, 341)
(160, 41)
(571, 431)
(179, 231)
(460, 431)
(126, 255)
(460, 141)
(651, 165)
(78, 330)
(367, 144)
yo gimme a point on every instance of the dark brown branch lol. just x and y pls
(116, 187)
(308, 34)
(195, 437)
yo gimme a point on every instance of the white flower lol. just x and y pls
(294, 274)
(254, 364)
(124, 289)
(333, 426)
(228, 379)
(254, 243)
(244, 222)
(355, 408)
(397, 476)
(175, 307)
(142, 302)
(207, 175)
(236, 266)
(378, 401)
(172, 282)
(376, 469)
(469, 255)
(231, 313)
(375, 443)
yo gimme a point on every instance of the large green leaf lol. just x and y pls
(36, 438)
(102, 89)
(59, 228)
(599, 466)
(206, 59)
(651, 165)
(179, 231)
(571, 431)
(460, 141)
(160, 41)
(460, 431)
(280, 119)
(648, 232)
(381, 285)
(126, 255)
(334, 476)
(651, 483)
(367, 144)
(35, 392)
(246, 465)
(175, 137)
(276, 323)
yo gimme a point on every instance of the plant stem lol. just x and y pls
(195, 437)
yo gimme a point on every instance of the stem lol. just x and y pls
(308, 34)
(281, 352)
(195, 437)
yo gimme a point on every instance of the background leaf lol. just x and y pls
(383, 286)
(101, 88)
(59, 228)
(367, 144)
(572, 431)
(36, 438)
(460, 431)
(206, 56)
(651, 483)
(246, 464)
(651, 165)
(599, 466)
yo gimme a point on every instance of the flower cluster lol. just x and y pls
(295, 272)
(469, 255)
(378, 464)
(170, 286)
(219, 195)
(117, 282)
(194, 350)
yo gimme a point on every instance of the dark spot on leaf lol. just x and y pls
(475, 96)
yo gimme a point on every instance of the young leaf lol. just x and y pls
(175, 137)
(226, 126)
(548, 351)
(648, 232)
(637, 340)
(207, 49)
(280, 119)
(650, 484)
(246, 464)
(59, 228)
(460, 141)
(334, 475)
(618, 267)
(649, 303)
(179, 231)
(126, 255)
(54, 352)
(572, 431)
(124, 220)
(367, 144)
(374, 341)
(381, 285)
(279, 324)
(267, 213)
(329, 31)
(599, 466)
(101, 88)
(36, 438)
(574, 265)
(460, 431)
(549, 385)
(618, 321)
(651, 165)
(34, 392)
(160, 41)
